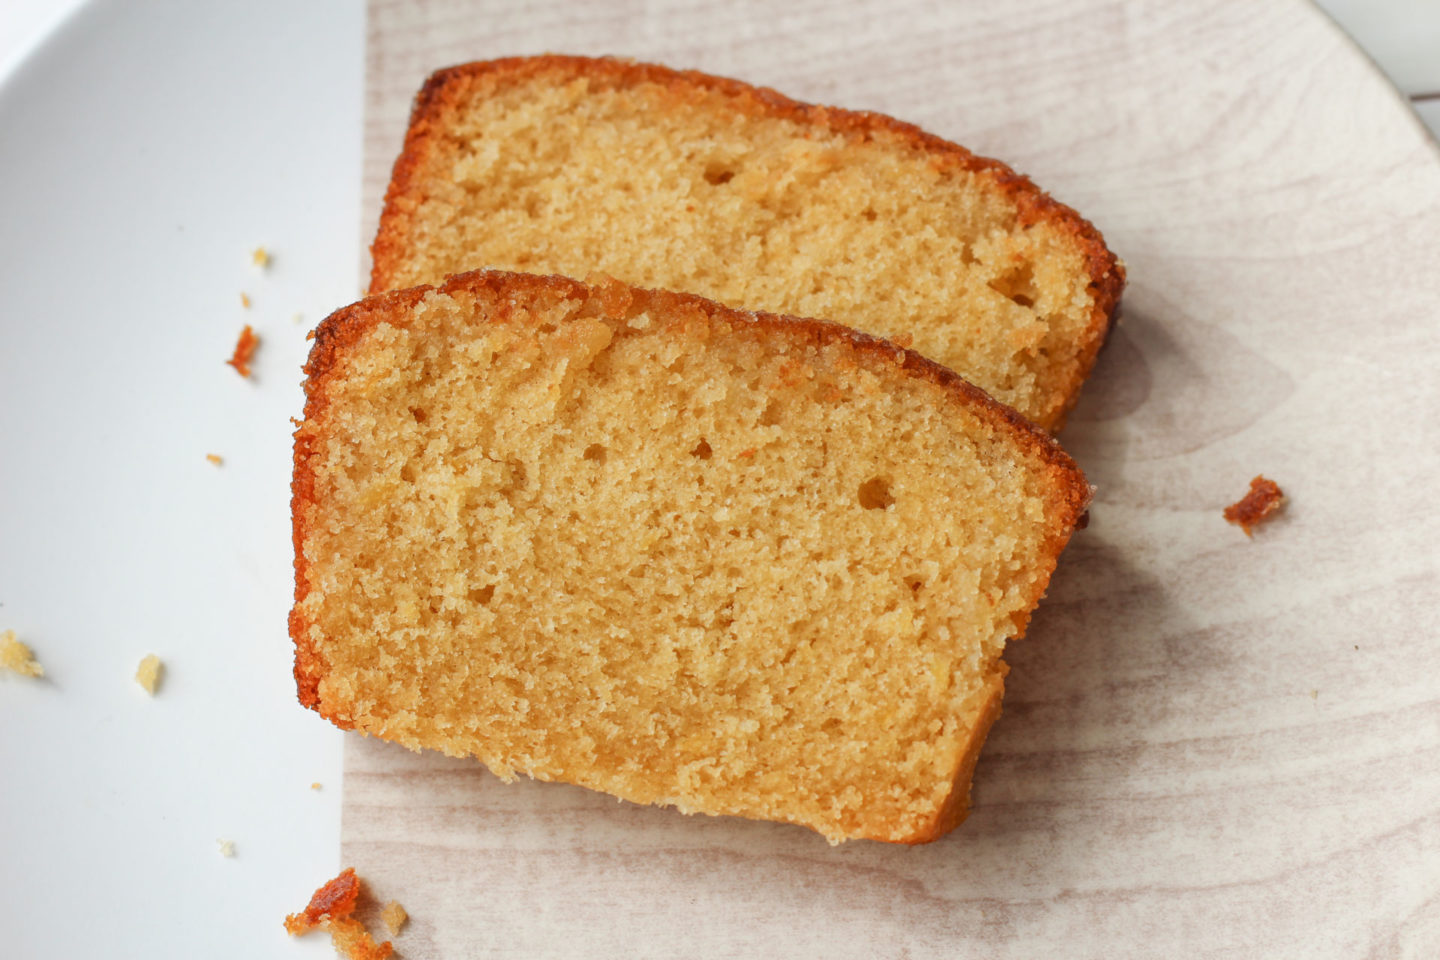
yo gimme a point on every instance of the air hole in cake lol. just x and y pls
(418, 414)
(771, 414)
(718, 173)
(914, 583)
(514, 474)
(482, 595)
(595, 452)
(1017, 284)
(869, 214)
(702, 450)
(407, 473)
(875, 494)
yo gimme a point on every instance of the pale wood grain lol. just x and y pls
(1212, 746)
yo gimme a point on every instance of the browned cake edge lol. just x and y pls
(340, 331)
(445, 88)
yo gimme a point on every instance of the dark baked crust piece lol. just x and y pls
(1262, 499)
(445, 89)
(615, 301)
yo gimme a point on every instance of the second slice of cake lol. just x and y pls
(684, 181)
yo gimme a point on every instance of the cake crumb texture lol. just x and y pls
(1259, 503)
(394, 917)
(149, 673)
(734, 563)
(331, 908)
(683, 181)
(17, 657)
(227, 847)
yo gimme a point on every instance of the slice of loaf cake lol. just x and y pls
(738, 563)
(690, 182)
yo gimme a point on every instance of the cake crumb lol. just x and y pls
(1264, 498)
(227, 847)
(17, 657)
(149, 672)
(315, 785)
(215, 458)
(331, 907)
(244, 299)
(296, 319)
(394, 917)
(1314, 694)
(244, 351)
(261, 257)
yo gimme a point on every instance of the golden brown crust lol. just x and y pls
(331, 907)
(445, 89)
(244, 350)
(1263, 499)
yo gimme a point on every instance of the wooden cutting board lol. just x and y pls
(1212, 746)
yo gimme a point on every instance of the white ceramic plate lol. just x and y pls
(145, 150)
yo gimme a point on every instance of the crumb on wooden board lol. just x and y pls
(244, 351)
(149, 673)
(1263, 499)
(394, 916)
(17, 657)
(330, 908)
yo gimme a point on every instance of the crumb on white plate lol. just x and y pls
(149, 672)
(227, 847)
(17, 657)
(296, 319)
(261, 258)
(315, 785)
(244, 299)
(245, 346)
(215, 458)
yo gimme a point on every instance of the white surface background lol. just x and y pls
(146, 149)
(1402, 36)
